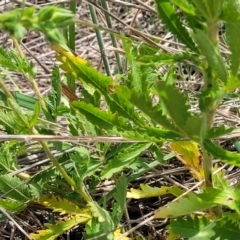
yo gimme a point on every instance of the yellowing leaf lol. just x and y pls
(54, 230)
(172, 236)
(60, 48)
(63, 206)
(187, 152)
(70, 62)
(118, 233)
(147, 191)
(82, 70)
(64, 51)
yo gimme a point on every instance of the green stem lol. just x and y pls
(56, 163)
(207, 167)
(81, 188)
(44, 145)
(16, 44)
(113, 38)
(71, 44)
(71, 40)
(5, 89)
(37, 91)
(100, 40)
(83, 192)
(30, 80)
(213, 32)
(208, 116)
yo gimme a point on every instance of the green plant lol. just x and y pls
(70, 172)
(130, 111)
(221, 78)
(172, 111)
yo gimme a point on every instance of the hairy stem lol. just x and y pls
(208, 116)
(81, 189)
(30, 80)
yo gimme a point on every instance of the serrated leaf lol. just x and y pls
(151, 134)
(14, 188)
(8, 121)
(193, 228)
(144, 103)
(104, 218)
(212, 54)
(172, 21)
(43, 176)
(226, 196)
(56, 86)
(81, 70)
(144, 168)
(63, 206)
(18, 113)
(11, 205)
(221, 182)
(55, 17)
(147, 191)
(218, 152)
(231, 11)
(118, 102)
(10, 59)
(121, 190)
(214, 9)
(185, 6)
(192, 127)
(186, 205)
(54, 230)
(85, 167)
(7, 161)
(231, 216)
(177, 106)
(158, 154)
(33, 119)
(94, 98)
(210, 96)
(120, 198)
(233, 200)
(201, 6)
(112, 150)
(232, 83)
(219, 131)
(131, 55)
(170, 76)
(187, 152)
(102, 119)
(164, 58)
(232, 33)
(123, 159)
(176, 103)
(226, 229)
